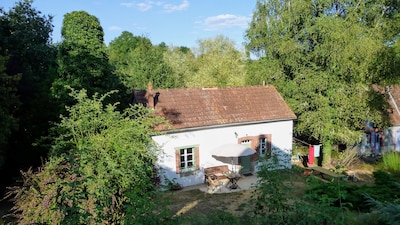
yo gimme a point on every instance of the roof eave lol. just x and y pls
(182, 130)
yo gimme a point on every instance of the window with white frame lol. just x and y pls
(263, 147)
(187, 159)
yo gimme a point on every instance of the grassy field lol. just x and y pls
(193, 202)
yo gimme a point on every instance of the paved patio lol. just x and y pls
(244, 183)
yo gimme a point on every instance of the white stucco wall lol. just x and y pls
(390, 135)
(207, 139)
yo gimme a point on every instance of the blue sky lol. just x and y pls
(175, 22)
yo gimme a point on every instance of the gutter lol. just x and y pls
(222, 126)
(392, 99)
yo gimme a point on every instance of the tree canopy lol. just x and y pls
(218, 64)
(183, 64)
(82, 57)
(27, 70)
(8, 103)
(138, 62)
(324, 56)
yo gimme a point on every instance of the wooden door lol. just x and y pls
(246, 165)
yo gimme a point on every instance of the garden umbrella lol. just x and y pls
(232, 151)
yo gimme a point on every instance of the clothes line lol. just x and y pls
(316, 149)
(305, 143)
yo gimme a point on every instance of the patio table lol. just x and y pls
(233, 178)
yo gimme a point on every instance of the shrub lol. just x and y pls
(391, 162)
(389, 213)
(353, 196)
(99, 172)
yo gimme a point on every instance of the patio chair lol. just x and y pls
(213, 183)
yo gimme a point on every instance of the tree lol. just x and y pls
(119, 49)
(100, 169)
(30, 60)
(82, 58)
(218, 64)
(324, 56)
(182, 62)
(138, 62)
(8, 104)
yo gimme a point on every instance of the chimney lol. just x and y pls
(150, 95)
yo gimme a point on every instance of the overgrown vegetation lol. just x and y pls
(278, 200)
(100, 169)
(323, 57)
(388, 212)
(391, 162)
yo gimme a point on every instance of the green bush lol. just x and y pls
(353, 196)
(100, 170)
(391, 162)
(388, 212)
(385, 188)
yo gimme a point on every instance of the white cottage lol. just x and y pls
(204, 118)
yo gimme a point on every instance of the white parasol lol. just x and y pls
(232, 151)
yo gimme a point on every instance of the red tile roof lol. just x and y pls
(200, 107)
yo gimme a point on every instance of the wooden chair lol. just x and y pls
(213, 183)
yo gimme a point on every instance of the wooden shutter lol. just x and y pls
(197, 155)
(269, 143)
(178, 161)
(255, 143)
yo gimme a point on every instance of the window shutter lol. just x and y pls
(255, 142)
(197, 155)
(269, 143)
(178, 161)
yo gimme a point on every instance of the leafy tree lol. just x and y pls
(218, 64)
(182, 62)
(138, 62)
(119, 49)
(388, 60)
(323, 56)
(100, 170)
(8, 104)
(25, 41)
(82, 58)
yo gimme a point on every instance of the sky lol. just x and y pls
(174, 22)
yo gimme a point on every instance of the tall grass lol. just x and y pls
(391, 162)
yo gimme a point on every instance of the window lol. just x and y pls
(246, 142)
(263, 147)
(261, 143)
(187, 160)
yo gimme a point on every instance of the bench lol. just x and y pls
(220, 172)
(325, 174)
